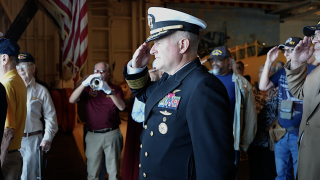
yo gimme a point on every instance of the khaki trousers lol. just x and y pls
(30, 155)
(111, 144)
(12, 166)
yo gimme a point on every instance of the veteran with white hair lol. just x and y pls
(39, 103)
(188, 129)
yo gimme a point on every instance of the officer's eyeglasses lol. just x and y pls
(315, 36)
(286, 50)
(22, 67)
(99, 71)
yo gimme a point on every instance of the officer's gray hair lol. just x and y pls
(193, 38)
(107, 66)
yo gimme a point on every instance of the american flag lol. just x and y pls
(70, 17)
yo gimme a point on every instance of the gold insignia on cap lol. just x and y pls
(150, 21)
(292, 42)
(216, 52)
(163, 128)
(176, 90)
(162, 29)
(22, 56)
(165, 113)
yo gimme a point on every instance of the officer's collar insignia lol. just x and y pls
(165, 113)
(150, 20)
(216, 53)
(176, 90)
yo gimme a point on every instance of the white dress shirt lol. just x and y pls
(39, 103)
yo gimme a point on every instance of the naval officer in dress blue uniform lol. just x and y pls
(188, 131)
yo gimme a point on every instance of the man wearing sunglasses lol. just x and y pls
(306, 87)
(102, 120)
(286, 149)
(241, 98)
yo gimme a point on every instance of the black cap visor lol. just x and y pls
(309, 30)
(159, 35)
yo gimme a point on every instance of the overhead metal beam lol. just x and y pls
(6, 9)
(22, 20)
(299, 15)
(292, 7)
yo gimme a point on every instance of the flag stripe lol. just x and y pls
(74, 34)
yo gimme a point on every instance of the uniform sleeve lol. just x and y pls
(211, 130)
(11, 117)
(140, 83)
(250, 120)
(296, 79)
(50, 117)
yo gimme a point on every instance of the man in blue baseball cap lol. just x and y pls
(240, 96)
(39, 104)
(306, 87)
(11, 160)
(188, 131)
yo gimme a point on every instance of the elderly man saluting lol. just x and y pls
(39, 103)
(188, 131)
(307, 89)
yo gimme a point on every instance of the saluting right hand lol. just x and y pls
(273, 54)
(86, 82)
(303, 51)
(142, 56)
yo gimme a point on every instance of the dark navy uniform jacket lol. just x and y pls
(193, 141)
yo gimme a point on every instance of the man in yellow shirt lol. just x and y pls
(11, 160)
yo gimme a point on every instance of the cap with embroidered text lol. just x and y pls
(220, 53)
(25, 57)
(9, 47)
(291, 42)
(309, 30)
(163, 21)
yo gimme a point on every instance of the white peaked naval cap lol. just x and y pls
(163, 21)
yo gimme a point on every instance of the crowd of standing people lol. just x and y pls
(197, 123)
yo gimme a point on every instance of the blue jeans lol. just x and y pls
(286, 155)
